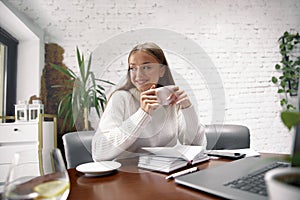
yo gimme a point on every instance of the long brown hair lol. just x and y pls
(155, 51)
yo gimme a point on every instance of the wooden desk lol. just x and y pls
(133, 183)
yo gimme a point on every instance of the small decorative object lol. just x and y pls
(35, 109)
(21, 111)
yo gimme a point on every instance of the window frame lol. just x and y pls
(10, 72)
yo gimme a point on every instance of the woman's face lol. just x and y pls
(144, 70)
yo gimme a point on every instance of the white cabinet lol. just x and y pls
(22, 136)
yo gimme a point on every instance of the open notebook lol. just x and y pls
(168, 159)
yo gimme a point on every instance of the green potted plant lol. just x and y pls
(75, 105)
(289, 67)
(284, 182)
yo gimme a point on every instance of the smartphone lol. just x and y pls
(227, 155)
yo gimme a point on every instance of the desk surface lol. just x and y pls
(133, 183)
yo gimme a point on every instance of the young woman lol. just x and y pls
(133, 117)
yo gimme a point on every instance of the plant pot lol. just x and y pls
(283, 183)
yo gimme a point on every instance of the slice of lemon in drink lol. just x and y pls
(52, 188)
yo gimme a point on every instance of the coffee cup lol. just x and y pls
(283, 183)
(163, 94)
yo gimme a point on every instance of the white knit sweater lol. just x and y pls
(124, 127)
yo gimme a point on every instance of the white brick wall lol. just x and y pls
(240, 38)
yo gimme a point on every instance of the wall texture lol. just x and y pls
(238, 37)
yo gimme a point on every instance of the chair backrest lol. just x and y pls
(78, 147)
(227, 136)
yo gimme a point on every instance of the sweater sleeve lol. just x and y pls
(190, 130)
(115, 133)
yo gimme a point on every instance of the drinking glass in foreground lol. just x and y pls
(30, 179)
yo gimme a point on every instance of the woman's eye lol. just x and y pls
(147, 67)
(132, 69)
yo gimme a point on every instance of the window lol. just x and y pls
(8, 73)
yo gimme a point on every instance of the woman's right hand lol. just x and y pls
(148, 100)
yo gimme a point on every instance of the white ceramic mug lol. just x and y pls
(281, 183)
(163, 93)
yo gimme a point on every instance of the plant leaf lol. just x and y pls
(274, 80)
(277, 66)
(66, 72)
(78, 56)
(283, 102)
(89, 65)
(290, 119)
(105, 81)
(280, 91)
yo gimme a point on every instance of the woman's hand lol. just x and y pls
(148, 100)
(180, 97)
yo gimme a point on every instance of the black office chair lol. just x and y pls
(78, 147)
(227, 136)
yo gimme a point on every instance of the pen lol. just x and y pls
(190, 170)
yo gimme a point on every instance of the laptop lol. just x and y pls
(231, 180)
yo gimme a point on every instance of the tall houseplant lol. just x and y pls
(289, 67)
(74, 106)
(285, 180)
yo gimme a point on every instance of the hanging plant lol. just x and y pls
(289, 67)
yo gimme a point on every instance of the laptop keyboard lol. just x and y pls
(255, 182)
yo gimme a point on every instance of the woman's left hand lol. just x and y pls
(180, 97)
